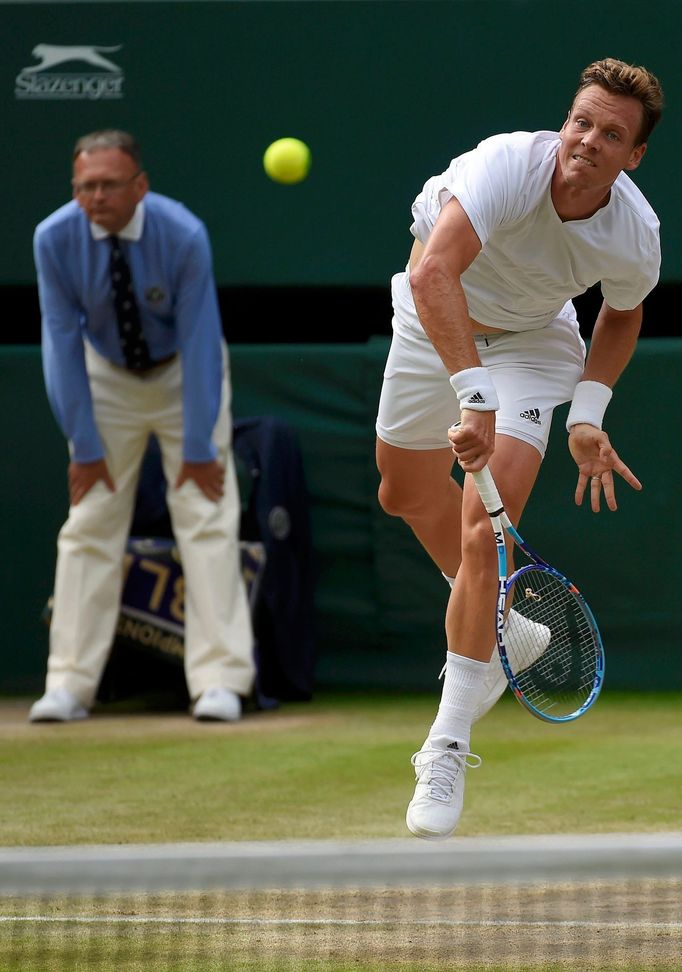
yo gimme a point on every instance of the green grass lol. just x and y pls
(378, 931)
(337, 767)
(172, 955)
(397, 942)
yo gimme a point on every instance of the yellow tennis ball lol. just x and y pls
(287, 160)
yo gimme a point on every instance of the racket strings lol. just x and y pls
(554, 649)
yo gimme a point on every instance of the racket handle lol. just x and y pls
(487, 490)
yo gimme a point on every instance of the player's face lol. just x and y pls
(598, 139)
(107, 185)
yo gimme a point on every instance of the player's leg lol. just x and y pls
(219, 662)
(445, 755)
(89, 574)
(417, 486)
(414, 457)
(533, 373)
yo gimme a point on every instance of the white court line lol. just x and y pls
(433, 922)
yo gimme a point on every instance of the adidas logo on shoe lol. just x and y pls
(533, 415)
(453, 745)
(476, 399)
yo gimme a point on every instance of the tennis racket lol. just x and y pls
(556, 667)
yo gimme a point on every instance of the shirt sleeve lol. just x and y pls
(628, 292)
(485, 182)
(200, 341)
(66, 379)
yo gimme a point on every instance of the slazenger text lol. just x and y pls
(67, 86)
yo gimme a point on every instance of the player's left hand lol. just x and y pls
(209, 477)
(597, 461)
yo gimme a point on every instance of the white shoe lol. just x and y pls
(57, 705)
(218, 705)
(525, 641)
(436, 806)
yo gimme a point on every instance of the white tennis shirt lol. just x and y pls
(531, 263)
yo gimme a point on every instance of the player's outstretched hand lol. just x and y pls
(597, 461)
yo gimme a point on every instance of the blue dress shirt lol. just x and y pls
(169, 255)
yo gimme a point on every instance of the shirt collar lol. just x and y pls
(132, 231)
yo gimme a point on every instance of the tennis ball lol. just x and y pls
(287, 160)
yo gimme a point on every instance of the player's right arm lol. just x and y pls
(437, 289)
(444, 314)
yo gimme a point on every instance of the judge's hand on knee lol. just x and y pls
(209, 477)
(84, 475)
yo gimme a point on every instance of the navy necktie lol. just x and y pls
(133, 344)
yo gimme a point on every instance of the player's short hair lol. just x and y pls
(634, 82)
(109, 138)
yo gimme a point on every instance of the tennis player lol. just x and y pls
(486, 344)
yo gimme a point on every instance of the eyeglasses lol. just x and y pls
(108, 187)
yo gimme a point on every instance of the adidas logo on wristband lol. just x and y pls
(475, 390)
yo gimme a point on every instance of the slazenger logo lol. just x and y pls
(41, 82)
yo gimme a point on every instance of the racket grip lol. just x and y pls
(487, 490)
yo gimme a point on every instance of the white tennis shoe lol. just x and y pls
(435, 808)
(57, 705)
(218, 705)
(525, 642)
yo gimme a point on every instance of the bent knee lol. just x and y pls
(398, 499)
(416, 483)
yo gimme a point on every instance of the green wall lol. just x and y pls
(379, 600)
(385, 93)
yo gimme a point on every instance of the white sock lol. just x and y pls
(462, 685)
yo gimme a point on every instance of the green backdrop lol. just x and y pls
(379, 600)
(385, 93)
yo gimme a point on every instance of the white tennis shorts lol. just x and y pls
(533, 372)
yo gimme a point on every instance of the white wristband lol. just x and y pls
(475, 390)
(590, 399)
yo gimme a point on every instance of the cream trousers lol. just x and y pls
(91, 544)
